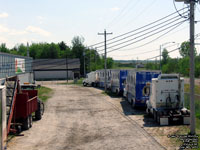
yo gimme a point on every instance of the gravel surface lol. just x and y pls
(82, 118)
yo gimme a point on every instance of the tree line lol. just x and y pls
(176, 65)
(93, 60)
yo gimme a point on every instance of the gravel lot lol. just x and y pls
(82, 118)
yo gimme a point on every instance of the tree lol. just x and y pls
(165, 56)
(3, 48)
(78, 51)
(62, 46)
(185, 49)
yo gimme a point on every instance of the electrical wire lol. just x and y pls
(157, 27)
(177, 24)
(177, 10)
(138, 28)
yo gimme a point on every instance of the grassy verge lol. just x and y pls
(44, 93)
(184, 130)
(196, 89)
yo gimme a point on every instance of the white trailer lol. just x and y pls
(101, 78)
(90, 79)
(166, 102)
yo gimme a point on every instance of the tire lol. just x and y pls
(154, 115)
(148, 112)
(26, 123)
(158, 118)
(30, 120)
(38, 112)
(19, 129)
(133, 103)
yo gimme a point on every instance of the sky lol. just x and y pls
(32, 21)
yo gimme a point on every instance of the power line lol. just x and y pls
(148, 51)
(138, 28)
(176, 25)
(171, 21)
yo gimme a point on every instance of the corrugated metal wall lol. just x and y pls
(8, 64)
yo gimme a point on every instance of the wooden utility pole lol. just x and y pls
(105, 57)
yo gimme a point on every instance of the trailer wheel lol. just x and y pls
(154, 115)
(30, 120)
(19, 129)
(26, 123)
(158, 118)
(39, 111)
(133, 103)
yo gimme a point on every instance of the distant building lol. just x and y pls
(56, 69)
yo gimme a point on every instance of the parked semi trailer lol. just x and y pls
(117, 80)
(90, 79)
(101, 78)
(135, 84)
(166, 102)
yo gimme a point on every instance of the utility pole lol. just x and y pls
(95, 52)
(90, 58)
(67, 67)
(105, 57)
(84, 63)
(192, 64)
(27, 49)
(160, 55)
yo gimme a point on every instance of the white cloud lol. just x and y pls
(3, 29)
(4, 15)
(115, 9)
(37, 30)
(40, 19)
(16, 32)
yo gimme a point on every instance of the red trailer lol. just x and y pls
(26, 104)
(21, 105)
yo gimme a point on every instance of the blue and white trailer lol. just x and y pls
(101, 78)
(117, 80)
(135, 86)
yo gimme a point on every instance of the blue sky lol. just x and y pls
(25, 21)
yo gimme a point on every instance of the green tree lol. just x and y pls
(165, 56)
(3, 48)
(185, 49)
(79, 51)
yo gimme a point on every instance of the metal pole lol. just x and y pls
(67, 67)
(84, 62)
(160, 55)
(105, 57)
(27, 49)
(90, 58)
(192, 64)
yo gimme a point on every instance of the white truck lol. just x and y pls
(166, 102)
(90, 79)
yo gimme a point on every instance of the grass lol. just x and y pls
(44, 93)
(196, 89)
(109, 93)
(184, 130)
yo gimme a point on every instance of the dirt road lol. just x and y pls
(82, 118)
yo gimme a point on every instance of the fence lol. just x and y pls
(11, 65)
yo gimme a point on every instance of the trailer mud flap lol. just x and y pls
(186, 120)
(164, 121)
